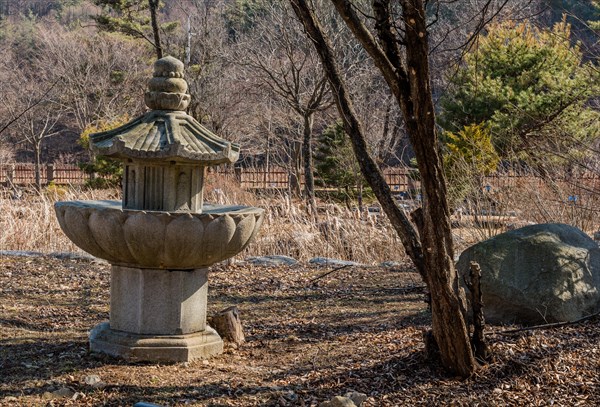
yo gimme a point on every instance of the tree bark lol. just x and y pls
(37, 166)
(295, 158)
(448, 322)
(480, 346)
(408, 79)
(153, 5)
(309, 180)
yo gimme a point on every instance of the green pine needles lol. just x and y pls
(530, 88)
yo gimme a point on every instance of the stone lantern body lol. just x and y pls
(161, 237)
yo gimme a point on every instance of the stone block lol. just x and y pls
(158, 302)
(155, 348)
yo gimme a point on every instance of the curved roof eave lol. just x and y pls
(165, 136)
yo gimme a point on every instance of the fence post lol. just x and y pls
(50, 173)
(10, 175)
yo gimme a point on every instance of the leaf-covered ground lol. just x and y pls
(354, 329)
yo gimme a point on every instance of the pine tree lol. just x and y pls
(595, 24)
(335, 163)
(530, 87)
(241, 15)
(110, 171)
(135, 18)
(469, 156)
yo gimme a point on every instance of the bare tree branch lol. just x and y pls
(30, 106)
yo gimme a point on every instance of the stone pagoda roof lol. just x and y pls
(166, 133)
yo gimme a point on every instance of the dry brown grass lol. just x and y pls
(515, 201)
(29, 223)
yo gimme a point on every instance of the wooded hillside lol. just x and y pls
(65, 70)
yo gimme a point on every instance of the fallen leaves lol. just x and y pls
(357, 329)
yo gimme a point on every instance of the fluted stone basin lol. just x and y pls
(158, 240)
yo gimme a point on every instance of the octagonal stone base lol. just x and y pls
(157, 316)
(155, 348)
(158, 302)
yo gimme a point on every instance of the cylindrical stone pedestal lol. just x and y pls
(157, 315)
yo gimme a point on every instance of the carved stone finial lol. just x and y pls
(167, 90)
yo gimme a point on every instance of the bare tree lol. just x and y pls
(35, 119)
(221, 92)
(398, 45)
(102, 75)
(67, 81)
(290, 69)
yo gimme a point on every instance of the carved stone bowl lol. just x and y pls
(159, 240)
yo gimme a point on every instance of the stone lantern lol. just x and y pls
(165, 152)
(161, 238)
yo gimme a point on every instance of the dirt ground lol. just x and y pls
(307, 340)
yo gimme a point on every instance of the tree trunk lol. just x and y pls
(447, 302)
(294, 180)
(153, 5)
(309, 180)
(37, 166)
(480, 346)
(359, 188)
(188, 42)
(411, 88)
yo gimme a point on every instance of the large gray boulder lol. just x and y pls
(537, 274)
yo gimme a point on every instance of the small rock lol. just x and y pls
(29, 365)
(20, 253)
(10, 398)
(374, 209)
(72, 256)
(205, 362)
(92, 380)
(338, 401)
(64, 392)
(356, 397)
(273, 260)
(291, 396)
(324, 261)
(390, 264)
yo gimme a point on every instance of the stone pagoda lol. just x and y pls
(161, 238)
